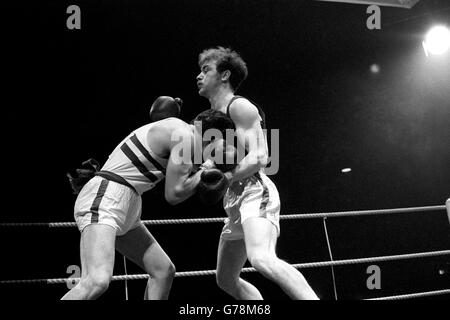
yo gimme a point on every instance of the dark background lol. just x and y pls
(74, 94)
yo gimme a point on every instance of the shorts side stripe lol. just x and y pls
(98, 199)
(265, 196)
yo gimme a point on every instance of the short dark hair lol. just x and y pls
(226, 59)
(213, 119)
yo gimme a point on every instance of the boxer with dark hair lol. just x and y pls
(251, 202)
(165, 107)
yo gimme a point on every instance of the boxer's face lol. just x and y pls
(208, 79)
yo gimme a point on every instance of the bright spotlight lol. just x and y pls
(437, 41)
(374, 68)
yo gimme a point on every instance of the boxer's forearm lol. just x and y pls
(186, 188)
(249, 165)
(187, 184)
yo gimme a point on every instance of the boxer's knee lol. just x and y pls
(226, 282)
(262, 261)
(96, 283)
(162, 270)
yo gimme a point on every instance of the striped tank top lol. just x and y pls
(134, 161)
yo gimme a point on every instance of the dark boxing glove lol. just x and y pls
(165, 107)
(83, 175)
(212, 186)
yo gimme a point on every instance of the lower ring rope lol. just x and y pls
(250, 269)
(414, 295)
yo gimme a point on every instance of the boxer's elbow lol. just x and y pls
(173, 195)
(257, 159)
(172, 200)
(262, 159)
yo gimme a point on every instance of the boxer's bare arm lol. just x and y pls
(181, 182)
(250, 134)
(161, 134)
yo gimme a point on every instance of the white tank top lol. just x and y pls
(134, 161)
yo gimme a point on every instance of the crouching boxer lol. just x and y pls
(108, 206)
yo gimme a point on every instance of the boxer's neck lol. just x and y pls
(220, 100)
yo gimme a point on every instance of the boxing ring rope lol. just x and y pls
(414, 295)
(250, 269)
(214, 220)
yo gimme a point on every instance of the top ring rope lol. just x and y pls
(212, 220)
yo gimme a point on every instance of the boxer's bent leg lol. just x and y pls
(260, 241)
(231, 257)
(141, 247)
(97, 262)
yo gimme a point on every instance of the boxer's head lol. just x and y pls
(212, 125)
(222, 65)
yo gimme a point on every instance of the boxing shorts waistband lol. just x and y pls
(111, 176)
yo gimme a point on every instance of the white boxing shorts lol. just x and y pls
(102, 201)
(256, 196)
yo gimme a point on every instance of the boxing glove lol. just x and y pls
(212, 186)
(82, 175)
